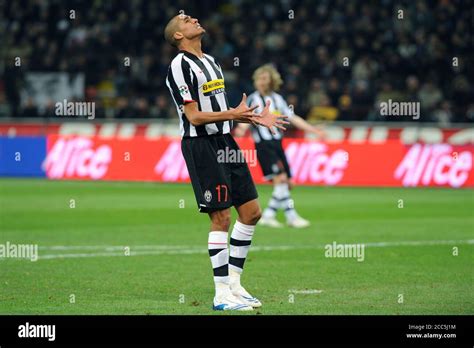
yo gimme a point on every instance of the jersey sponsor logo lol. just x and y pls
(213, 87)
(208, 196)
(183, 89)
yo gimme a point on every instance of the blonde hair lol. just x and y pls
(275, 77)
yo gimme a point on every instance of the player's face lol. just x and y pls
(190, 27)
(263, 82)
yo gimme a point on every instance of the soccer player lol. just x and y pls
(269, 148)
(197, 86)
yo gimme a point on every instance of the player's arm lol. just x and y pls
(296, 120)
(241, 113)
(199, 118)
(300, 123)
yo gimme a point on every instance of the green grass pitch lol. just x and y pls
(410, 266)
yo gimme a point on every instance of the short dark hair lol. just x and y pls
(170, 30)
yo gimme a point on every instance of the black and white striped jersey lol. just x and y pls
(278, 106)
(201, 80)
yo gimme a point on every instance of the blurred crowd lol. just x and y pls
(339, 59)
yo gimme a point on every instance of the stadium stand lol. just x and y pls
(388, 57)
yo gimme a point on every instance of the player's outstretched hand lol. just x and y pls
(269, 120)
(243, 112)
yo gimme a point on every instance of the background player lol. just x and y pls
(270, 153)
(197, 86)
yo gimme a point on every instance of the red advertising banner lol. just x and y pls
(357, 134)
(390, 163)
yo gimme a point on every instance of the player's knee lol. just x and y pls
(253, 216)
(221, 220)
(257, 215)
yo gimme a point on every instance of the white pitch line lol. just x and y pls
(107, 250)
(183, 250)
(418, 243)
(114, 247)
(179, 247)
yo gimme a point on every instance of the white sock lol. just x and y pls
(219, 254)
(286, 203)
(240, 241)
(234, 279)
(274, 202)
